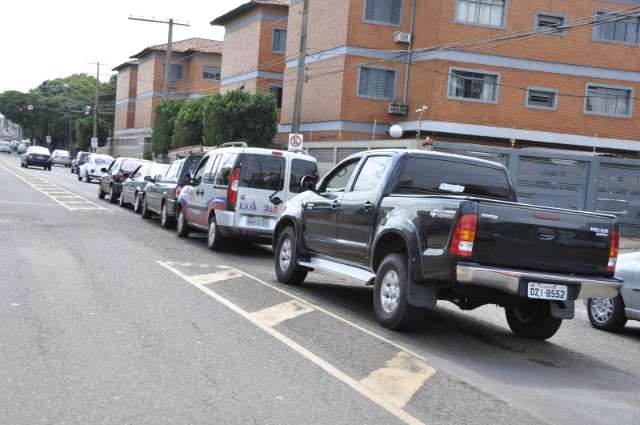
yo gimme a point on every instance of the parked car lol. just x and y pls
(114, 176)
(81, 158)
(5, 147)
(92, 168)
(424, 226)
(160, 196)
(611, 314)
(38, 156)
(61, 157)
(241, 192)
(22, 147)
(134, 186)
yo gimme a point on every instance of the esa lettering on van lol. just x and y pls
(247, 206)
(269, 209)
(600, 231)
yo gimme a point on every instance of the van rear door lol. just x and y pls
(262, 179)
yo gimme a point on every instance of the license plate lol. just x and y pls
(257, 222)
(547, 291)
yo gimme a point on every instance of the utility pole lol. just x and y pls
(302, 53)
(167, 60)
(95, 103)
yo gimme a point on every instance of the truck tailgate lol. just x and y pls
(540, 238)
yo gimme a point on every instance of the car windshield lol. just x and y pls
(38, 150)
(422, 175)
(62, 153)
(130, 165)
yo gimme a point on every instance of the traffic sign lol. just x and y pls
(94, 143)
(48, 140)
(295, 142)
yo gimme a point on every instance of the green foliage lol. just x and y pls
(48, 108)
(163, 125)
(84, 132)
(240, 116)
(187, 129)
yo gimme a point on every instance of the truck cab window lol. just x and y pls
(372, 173)
(338, 181)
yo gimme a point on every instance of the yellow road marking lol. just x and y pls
(400, 379)
(318, 361)
(273, 316)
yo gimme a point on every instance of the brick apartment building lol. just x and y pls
(255, 43)
(195, 72)
(574, 87)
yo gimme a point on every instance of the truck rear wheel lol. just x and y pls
(287, 269)
(532, 320)
(390, 302)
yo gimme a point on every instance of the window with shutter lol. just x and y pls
(376, 83)
(481, 12)
(388, 12)
(474, 86)
(616, 28)
(550, 23)
(541, 98)
(610, 101)
(210, 72)
(279, 41)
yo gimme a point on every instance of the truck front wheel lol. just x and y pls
(390, 302)
(287, 269)
(532, 320)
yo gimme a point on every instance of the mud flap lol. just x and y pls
(562, 309)
(422, 296)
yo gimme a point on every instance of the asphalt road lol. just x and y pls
(109, 319)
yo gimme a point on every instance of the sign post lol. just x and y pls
(94, 144)
(48, 140)
(295, 142)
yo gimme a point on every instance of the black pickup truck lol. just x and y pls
(423, 226)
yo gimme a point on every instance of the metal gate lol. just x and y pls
(566, 179)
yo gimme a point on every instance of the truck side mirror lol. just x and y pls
(309, 183)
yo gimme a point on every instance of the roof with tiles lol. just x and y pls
(222, 20)
(191, 45)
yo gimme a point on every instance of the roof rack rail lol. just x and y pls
(234, 145)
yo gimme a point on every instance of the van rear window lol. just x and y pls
(299, 169)
(441, 176)
(263, 172)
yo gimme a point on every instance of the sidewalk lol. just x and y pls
(629, 245)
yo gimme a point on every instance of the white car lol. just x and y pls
(95, 167)
(611, 314)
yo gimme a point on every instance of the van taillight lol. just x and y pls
(232, 190)
(613, 250)
(464, 235)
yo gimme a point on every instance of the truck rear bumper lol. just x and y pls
(511, 281)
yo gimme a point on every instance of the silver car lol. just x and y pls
(61, 157)
(5, 147)
(611, 314)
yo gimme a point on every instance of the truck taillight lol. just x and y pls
(464, 235)
(232, 190)
(178, 191)
(613, 250)
(119, 178)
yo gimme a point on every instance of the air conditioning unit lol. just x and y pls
(397, 109)
(402, 37)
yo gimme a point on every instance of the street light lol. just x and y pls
(421, 111)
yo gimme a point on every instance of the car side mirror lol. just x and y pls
(148, 178)
(104, 170)
(309, 183)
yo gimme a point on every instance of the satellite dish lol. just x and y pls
(396, 131)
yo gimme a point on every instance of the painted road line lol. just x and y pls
(400, 379)
(323, 364)
(333, 315)
(273, 316)
(28, 203)
(43, 186)
(206, 279)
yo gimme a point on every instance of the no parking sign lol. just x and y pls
(295, 142)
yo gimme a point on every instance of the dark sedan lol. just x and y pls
(38, 156)
(161, 195)
(133, 187)
(114, 176)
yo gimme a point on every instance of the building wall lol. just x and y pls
(332, 79)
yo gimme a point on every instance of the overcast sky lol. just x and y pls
(44, 39)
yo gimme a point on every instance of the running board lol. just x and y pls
(335, 267)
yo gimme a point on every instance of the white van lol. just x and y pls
(240, 192)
